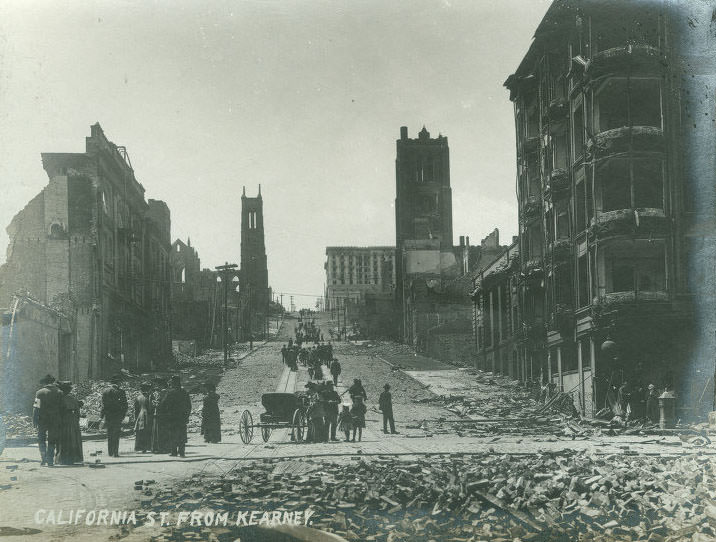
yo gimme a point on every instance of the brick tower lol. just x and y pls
(423, 217)
(423, 198)
(254, 270)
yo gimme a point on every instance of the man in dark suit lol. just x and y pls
(175, 410)
(385, 405)
(46, 417)
(114, 408)
(331, 401)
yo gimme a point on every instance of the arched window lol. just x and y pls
(183, 276)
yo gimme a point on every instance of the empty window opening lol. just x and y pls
(635, 266)
(622, 102)
(626, 184)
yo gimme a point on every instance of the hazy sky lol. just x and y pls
(305, 98)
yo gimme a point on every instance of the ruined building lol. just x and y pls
(92, 251)
(255, 293)
(197, 301)
(615, 177)
(432, 288)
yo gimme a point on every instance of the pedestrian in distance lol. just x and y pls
(317, 370)
(176, 409)
(70, 438)
(335, 369)
(114, 409)
(143, 419)
(47, 418)
(385, 405)
(210, 415)
(358, 411)
(652, 404)
(345, 422)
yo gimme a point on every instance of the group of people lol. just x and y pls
(307, 331)
(324, 420)
(636, 402)
(161, 415)
(56, 416)
(314, 358)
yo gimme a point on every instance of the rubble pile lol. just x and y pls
(18, 426)
(90, 392)
(539, 497)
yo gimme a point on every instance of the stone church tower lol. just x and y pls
(254, 271)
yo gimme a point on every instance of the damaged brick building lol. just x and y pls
(615, 175)
(91, 248)
(433, 276)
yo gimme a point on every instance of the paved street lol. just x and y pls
(71, 488)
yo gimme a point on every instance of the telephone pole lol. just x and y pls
(227, 274)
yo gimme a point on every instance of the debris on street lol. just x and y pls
(539, 497)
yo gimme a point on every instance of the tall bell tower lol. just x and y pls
(254, 270)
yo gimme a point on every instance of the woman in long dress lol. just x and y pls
(70, 441)
(143, 416)
(210, 416)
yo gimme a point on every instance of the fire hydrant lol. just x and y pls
(667, 410)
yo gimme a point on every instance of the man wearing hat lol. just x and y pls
(175, 410)
(114, 408)
(331, 400)
(47, 418)
(385, 405)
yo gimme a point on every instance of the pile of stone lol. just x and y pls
(18, 426)
(557, 496)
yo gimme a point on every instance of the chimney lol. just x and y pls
(403, 132)
(467, 240)
(462, 240)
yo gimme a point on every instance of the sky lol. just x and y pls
(305, 98)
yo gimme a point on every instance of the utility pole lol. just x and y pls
(227, 274)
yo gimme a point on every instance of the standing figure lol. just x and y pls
(210, 417)
(331, 399)
(70, 441)
(47, 418)
(114, 408)
(358, 413)
(316, 414)
(652, 404)
(345, 422)
(143, 424)
(357, 390)
(317, 370)
(335, 369)
(283, 354)
(160, 438)
(175, 410)
(385, 405)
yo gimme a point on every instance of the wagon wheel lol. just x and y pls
(265, 433)
(246, 427)
(299, 425)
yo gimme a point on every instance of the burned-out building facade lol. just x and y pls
(611, 214)
(92, 248)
